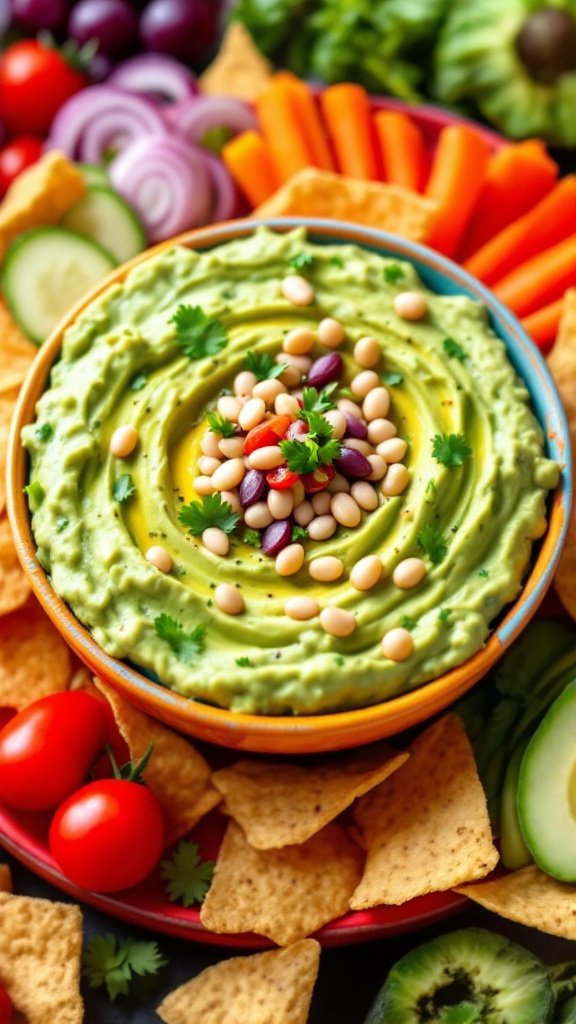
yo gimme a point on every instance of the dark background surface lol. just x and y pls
(348, 979)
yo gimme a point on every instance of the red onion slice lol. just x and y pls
(195, 117)
(155, 75)
(226, 195)
(166, 181)
(102, 118)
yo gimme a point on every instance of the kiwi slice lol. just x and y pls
(471, 976)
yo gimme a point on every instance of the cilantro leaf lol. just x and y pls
(392, 273)
(188, 877)
(433, 544)
(450, 449)
(61, 524)
(44, 432)
(106, 961)
(391, 379)
(317, 401)
(299, 533)
(211, 511)
(305, 456)
(318, 427)
(337, 261)
(220, 425)
(244, 662)
(483, 572)
(253, 538)
(35, 494)
(138, 382)
(198, 334)
(453, 349)
(407, 622)
(263, 365)
(444, 614)
(123, 488)
(301, 261)
(187, 647)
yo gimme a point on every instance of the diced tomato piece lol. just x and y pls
(281, 478)
(267, 432)
(297, 430)
(318, 480)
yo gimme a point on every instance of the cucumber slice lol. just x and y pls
(514, 852)
(106, 218)
(46, 271)
(94, 174)
(547, 789)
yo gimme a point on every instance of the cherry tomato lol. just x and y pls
(318, 480)
(6, 715)
(47, 749)
(266, 433)
(16, 156)
(6, 1007)
(297, 430)
(35, 80)
(281, 478)
(108, 835)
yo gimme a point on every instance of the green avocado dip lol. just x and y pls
(158, 562)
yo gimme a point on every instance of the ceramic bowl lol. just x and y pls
(309, 733)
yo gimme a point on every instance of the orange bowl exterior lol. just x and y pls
(281, 734)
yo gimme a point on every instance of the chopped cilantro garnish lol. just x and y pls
(253, 538)
(123, 488)
(112, 962)
(211, 511)
(444, 614)
(431, 487)
(138, 382)
(263, 365)
(453, 349)
(450, 449)
(299, 533)
(198, 334)
(305, 456)
(44, 432)
(347, 393)
(301, 261)
(244, 662)
(220, 425)
(61, 524)
(432, 543)
(391, 379)
(317, 401)
(483, 572)
(408, 623)
(188, 877)
(337, 261)
(35, 494)
(392, 273)
(339, 659)
(187, 647)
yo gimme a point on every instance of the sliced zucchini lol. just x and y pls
(106, 217)
(94, 174)
(45, 272)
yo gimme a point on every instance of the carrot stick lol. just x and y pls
(282, 130)
(402, 148)
(346, 112)
(309, 119)
(551, 220)
(518, 177)
(456, 178)
(542, 326)
(540, 280)
(248, 159)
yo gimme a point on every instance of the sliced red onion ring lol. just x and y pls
(102, 118)
(166, 181)
(155, 75)
(193, 119)
(225, 192)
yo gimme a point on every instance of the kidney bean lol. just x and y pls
(252, 487)
(277, 536)
(324, 370)
(355, 427)
(353, 464)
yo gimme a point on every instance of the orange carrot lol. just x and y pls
(309, 119)
(456, 177)
(551, 220)
(402, 148)
(282, 130)
(542, 326)
(346, 111)
(518, 177)
(248, 159)
(540, 280)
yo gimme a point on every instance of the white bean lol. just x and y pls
(267, 457)
(232, 447)
(304, 513)
(345, 510)
(216, 540)
(290, 560)
(366, 573)
(326, 569)
(396, 480)
(379, 467)
(376, 404)
(258, 516)
(280, 503)
(346, 405)
(207, 465)
(229, 407)
(159, 557)
(233, 500)
(337, 621)
(338, 484)
(298, 493)
(299, 341)
(330, 332)
(364, 382)
(286, 405)
(364, 495)
(301, 363)
(322, 527)
(321, 503)
(291, 377)
(409, 573)
(397, 644)
(228, 599)
(301, 608)
(410, 305)
(229, 474)
(203, 485)
(393, 450)
(252, 413)
(210, 444)
(269, 390)
(244, 383)
(360, 445)
(380, 430)
(338, 421)
(297, 290)
(367, 352)
(123, 441)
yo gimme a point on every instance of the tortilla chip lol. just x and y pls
(279, 804)
(530, 897)
(40, 949)
(40, 195)
(316, 193)
(176, 772)
(14, 586)
(284, 894)
(562, 363)
(34, 660)
(426, 828)
(16, 352)
(266, 988)
(239, 69)
(6, 878)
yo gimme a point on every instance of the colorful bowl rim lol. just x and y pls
(409, 707)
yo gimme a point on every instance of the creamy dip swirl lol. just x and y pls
(121, 364)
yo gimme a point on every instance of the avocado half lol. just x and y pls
(516, 61)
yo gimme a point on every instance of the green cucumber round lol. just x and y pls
(105, 217)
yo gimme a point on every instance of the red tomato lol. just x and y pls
(6, 1007)
(16, 156)
(108, 835)
(35, 80)
(266, 433)
(6, 715)
(281, 478)
(318, 480)
(297, 430)
(47, 749)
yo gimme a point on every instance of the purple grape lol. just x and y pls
(352, 464)
(355, 427)
(252, 487)
(185, 29)
(276, 536)
(324, 370)
(114, 23)
(34, 15)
